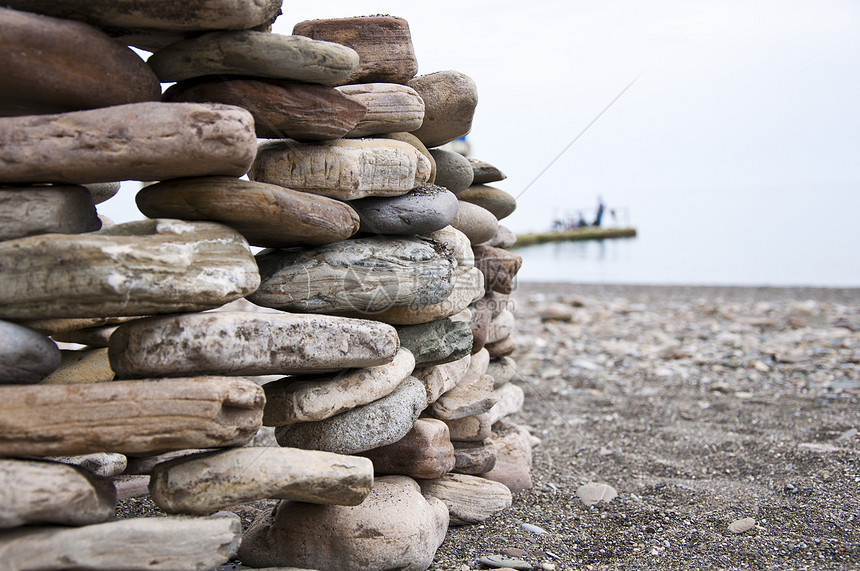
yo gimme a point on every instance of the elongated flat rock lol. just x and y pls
(202, 484)
(40, 77)
(391, 108)
(437, 342)
(138, 141)
(450, 98)
(498, 266)
(411, 139)
(476, 222)
(439, 379)
(370, 426)
(26, 356)
(453, 170)
(425, 452)
(485, 172)
(257, 54)
(265, 214)
(343, 169)
(151, 25)
(365, 275)
(474, 457)
(502, 370)
(383, 44)
(27, 211)
(281, 109)
(128, 416)
(137, 544)
(303, 399)
(471, 396)
(422, 210)
(83, 366)
(34, 492)
(469, 499)
(496, 200)
(248, 343)
(504, 238)
(137, 268)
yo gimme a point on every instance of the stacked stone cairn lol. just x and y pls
(374, 333)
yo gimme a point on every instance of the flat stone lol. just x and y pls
(66, 325)
(509, 400)
(391, 108)
(471, 396)
(137, 268)
(27, 211)
(281, 109)
(471, 428)
(150, 25)
(453, 170)
(515, 476)
(480, 324)
(498, 266)
(450, 98)
(437, 342)
(502, 348)
(484, 172)
(502, 370)
(504, 238)
(40, 77)
(342, 169)
(248, 343)
(502, 563)
(204, 483)
(501, 326)
(128, 416)
(136, 544)
(128, 486)
(138, 141)
(739, 525)
(102, 191)
(362, 277)
(92, 336)
(425, 452)
(514, 457)
(38, 492)
(479, 363)
(82, 366)
(411, 139)
(474, 457)
(26, 356)
(555, 311)
(383, 43)
(469, 499)
(478, 224)
(422, 210)
(362, 428)
(439, 379)
(457, 242)
(99, 463)
(257, 54)
(139, 465)
(265, 214)
(594, 493)
(496, 200)
(394, 528)
(468, 286)
(303, 399)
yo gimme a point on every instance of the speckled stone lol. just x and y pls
(437, 342)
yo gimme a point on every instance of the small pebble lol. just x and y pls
(742, 525)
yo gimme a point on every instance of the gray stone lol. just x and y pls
(485, 172)
(369, 426)
(150, 415)
(502, 370)
(38, 492)
(256, 54)
(383, 43)
(457, 242)
(138, 141)
(204, 483)
(82, 366)
(394, 528)
(342, 169)
(137, 268)
(136, 544)
(496, 200)
(437, 342)
(265, 214)
(474, 457)
(504, 238)
(422, 210)
(26, 211)
(471, 396)
(502, 348)
(425, 452)
(92, 336)
(450, 98)
(99, 463)
(453, 170)
(303, 399)
(478, 224)
(140, 465)
(128, 486)
(469, 499)
(391, 108)
(26, 356)
(248, 343)
(101, 191)
(439, 379)
(39, 76)
(504, 563)
(361, 277)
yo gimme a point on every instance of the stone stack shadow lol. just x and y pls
(357, 368)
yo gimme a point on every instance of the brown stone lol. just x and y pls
(425, 452)
(50, 65)
(471, 428)
(281, 109)
(128, 416)
(92, 336)
(391, 108)
(496, 200)
(498, 266)
(501, 348)
(266, 214)
(84, 366)
(474, 457)
(472, 395)
(450, 98)
(485, 172)
(480, 323)
(439, 379)
(139, 141)
(383, 44)
(477, 223)
(415, 142)
(27, 211)
(66, 325)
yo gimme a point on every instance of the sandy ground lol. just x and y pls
(700, 406)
